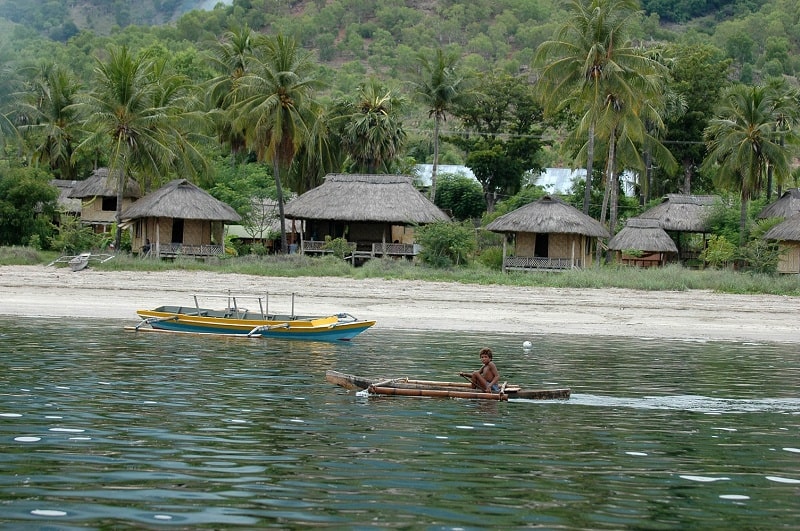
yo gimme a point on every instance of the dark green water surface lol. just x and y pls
(107, 429)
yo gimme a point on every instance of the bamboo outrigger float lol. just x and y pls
(440, 389)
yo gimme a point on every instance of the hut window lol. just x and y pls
(541, 248)
(109, 204)
(177, 230)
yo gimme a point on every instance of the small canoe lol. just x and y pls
(433, 388)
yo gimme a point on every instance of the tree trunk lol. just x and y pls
(769, 183)
(277, 169)
(644, 185)
(687, 176)
(118, 213)
(435, 158)
(587, 193)
(743, 218)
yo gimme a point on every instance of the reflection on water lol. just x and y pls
(104, 428)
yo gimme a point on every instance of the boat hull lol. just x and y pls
(432, 388)
(328, 328)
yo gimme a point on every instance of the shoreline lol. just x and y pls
(46, 291)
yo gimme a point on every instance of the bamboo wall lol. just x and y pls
(92, 210)
(559, 245)
(789, 261)
(159, 230)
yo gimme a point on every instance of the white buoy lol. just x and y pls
(527, 345)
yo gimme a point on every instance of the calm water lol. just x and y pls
(101, 428)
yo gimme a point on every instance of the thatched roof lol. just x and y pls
(65, 201)
(642, 235)
(548, 215)
(368, 198)
(788, 230)
(683, 213)
(180, 199)
(787, 206)
(99, 185)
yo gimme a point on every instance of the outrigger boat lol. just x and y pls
(407, 387)
(238, 321)
(81, 261)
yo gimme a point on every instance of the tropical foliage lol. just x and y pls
(503, 87)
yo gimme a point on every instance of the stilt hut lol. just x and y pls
(376, 214)
(787, 234)
(98, 195)
(787, 206)
(179, 219)
(684, 215)
(549, 235)
(643, 243)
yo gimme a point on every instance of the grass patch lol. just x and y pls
(669, 278)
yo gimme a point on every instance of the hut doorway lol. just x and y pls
(177, 230)
(541, 248)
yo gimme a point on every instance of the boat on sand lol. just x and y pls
(432, 388)
(81, 261)
(237, 320)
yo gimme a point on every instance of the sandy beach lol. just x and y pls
(42, 291)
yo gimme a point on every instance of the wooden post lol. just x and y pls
(505, 243)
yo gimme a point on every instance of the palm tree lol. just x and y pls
(8, 110)
(51, 118)
(369, 129)
(786, 109)
(275, 107)
(231, 57)
(320, 154)
(743, 142)
(137, 108)
(438, 87)
(590, 49)
(632, 112)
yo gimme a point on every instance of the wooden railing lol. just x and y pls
(395, 249)
(536, 263)
(375, 249)
(173, 250)
(318, 247)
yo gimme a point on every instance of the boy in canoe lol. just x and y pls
(487, 377)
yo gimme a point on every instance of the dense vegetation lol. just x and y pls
(263, 98)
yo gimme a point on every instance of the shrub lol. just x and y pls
(444, 243)
(338, 246)
(719, 251)
(492, 258)
(73, 237)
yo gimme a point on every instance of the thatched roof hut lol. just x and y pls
(549, 215)
(181, 199)
(365, 198)
(787, 206)
(179, 219)
(67, 203)
(642, 235)
(787, 233)
(100, 185)
(549, 234)
(683, 213)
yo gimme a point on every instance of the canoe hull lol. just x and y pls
(432, 388)
(327, 328)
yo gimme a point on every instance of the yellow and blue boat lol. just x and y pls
(235, 320)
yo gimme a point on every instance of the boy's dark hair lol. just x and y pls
(487, 351)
